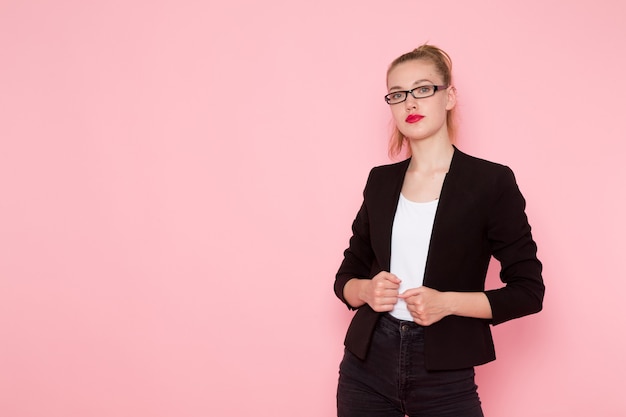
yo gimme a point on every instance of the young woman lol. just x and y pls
(416, 264)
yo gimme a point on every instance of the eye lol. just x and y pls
(396, 96)
(425, 89)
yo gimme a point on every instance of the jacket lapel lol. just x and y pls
(450, 200)
(388, 201)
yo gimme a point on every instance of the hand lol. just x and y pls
(381, 292)
(426, 305)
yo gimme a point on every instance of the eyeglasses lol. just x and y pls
(422, 91)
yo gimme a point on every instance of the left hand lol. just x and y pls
(426, 305)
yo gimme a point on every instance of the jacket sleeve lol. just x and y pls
(512, 245)
(358, 257)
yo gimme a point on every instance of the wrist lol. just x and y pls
(451, 302)
(353, 292)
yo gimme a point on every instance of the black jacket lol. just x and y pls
(480, 214)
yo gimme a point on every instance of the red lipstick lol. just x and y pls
(413, 118)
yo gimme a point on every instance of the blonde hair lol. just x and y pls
(443, 64)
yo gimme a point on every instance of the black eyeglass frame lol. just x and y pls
(407, 92)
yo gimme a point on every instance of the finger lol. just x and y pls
(387, 304)
(383, 307)
(392, 278)
(386, 280)
(387, 301)
(386, 294)
(388, 285)
(381, 291)
(416, 318)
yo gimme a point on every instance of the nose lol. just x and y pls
(410, 102)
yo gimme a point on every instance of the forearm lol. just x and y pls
(469, 304)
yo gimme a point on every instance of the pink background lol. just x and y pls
(178, 180)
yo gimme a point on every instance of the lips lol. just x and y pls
(413, 118)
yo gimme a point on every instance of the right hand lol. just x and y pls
(381, 292)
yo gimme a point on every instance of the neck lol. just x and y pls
(431, 155)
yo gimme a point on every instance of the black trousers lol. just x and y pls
(393, 381)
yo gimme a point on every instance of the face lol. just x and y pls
(423, 118)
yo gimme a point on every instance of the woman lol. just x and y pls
(416, 264)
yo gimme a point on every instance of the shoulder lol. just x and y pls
(384, 179)
(465, 161)
(477, 169)
(390, 170)
(383, 173)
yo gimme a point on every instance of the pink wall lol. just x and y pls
(178, 179)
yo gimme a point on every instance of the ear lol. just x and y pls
(451, 98)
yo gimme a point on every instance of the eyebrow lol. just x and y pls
(395, 87)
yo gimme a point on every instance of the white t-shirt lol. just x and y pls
(410, 239)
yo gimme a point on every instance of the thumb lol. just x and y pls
(410, 293)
